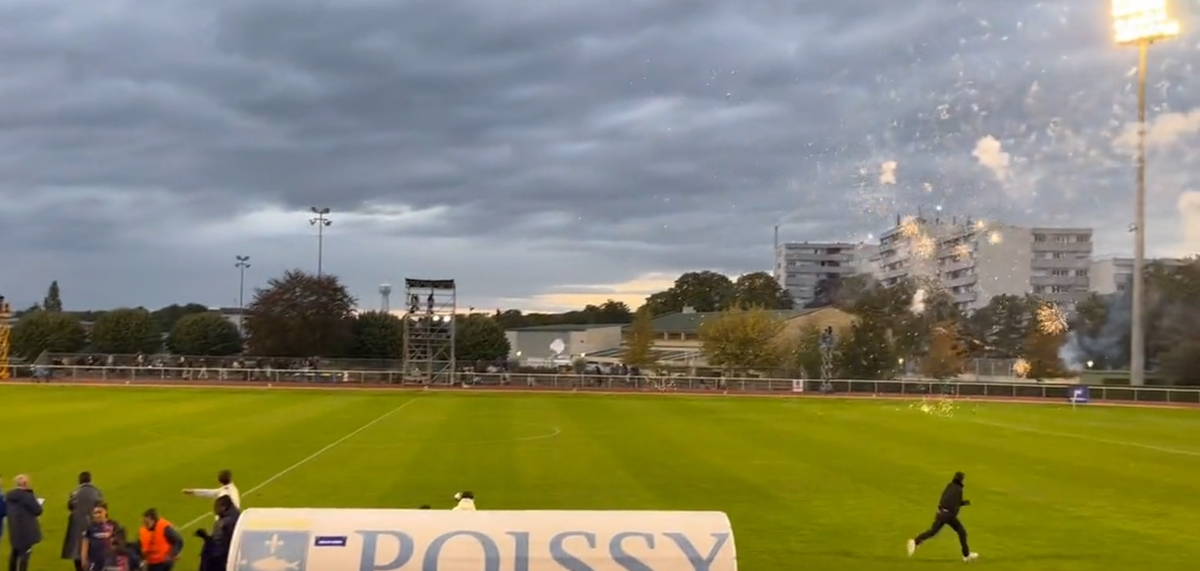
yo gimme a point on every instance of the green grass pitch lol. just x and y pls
(808, 483)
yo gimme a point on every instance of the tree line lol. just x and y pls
(914, 322)
(297, 315)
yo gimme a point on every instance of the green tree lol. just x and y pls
(479, 339)
(301, 315)
(204, 334)
(378, 335)
(760, 289)
(867, 352)
(53, 300)
(998, 329)
(944, 358)
(738, 339)
(126, 331)
(639, 345)
(1042, 354)
(609, 312)
(701, 291)
(41, 331)
(801, 351)
(168, 316)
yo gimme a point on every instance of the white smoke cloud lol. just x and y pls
(887, 173)
(918, 302)
(1161, 131)
(990, 154)
(1189, 217)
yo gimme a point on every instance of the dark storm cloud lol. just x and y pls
(521, 146)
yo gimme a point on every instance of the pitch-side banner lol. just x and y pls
(444, 540)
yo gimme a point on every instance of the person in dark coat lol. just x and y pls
(82, 503)
(24, 530)
(3, 510)
(947, 515)
(214, 556)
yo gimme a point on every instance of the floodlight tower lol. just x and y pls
(243, 263)
(430, 322)
(1140, 23)
(5, 315)
(321, 221)
(385, 297)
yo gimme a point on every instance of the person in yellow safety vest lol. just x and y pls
(160, 542)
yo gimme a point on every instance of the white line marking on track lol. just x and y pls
(1151, 447)
(309, 458)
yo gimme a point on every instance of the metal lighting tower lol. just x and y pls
(429, 330)
(243, 263)
(385, 297)
(5, 315)
(321, 221)
(1140, 23)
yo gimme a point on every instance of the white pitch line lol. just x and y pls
(309, 458)
(1151, 447)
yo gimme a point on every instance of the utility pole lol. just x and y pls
(321, 221)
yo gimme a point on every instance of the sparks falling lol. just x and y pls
(1051, 320)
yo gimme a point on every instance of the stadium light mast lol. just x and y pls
(1140, 23)
(243, 263)
(321, 221)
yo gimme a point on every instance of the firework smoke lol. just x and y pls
(887, 173)
(918, 302)
(990, 154)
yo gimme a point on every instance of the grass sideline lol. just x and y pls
(809, 483)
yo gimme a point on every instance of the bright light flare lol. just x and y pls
(1137, 21)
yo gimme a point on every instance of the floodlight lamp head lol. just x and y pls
(1142, 22)
(327, 222)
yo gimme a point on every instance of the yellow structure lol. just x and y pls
(5, 315)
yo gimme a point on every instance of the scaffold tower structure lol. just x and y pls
(429, 330)
(5, 342)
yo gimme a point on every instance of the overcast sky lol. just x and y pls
(546, 154)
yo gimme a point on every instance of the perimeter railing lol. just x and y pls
(566, 381)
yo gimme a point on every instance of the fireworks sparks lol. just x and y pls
(1021, 368)
(924, 247)
(887, 173)
(1051, 320)
(910, 227)
(995, 238)
(962, 251)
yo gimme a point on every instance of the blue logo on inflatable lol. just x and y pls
(512, 551)
(273, 551)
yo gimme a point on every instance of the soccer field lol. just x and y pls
(808, 483)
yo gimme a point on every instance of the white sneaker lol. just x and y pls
(970, 558)
(912, 547)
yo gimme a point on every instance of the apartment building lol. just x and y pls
(800, 266)
(1111, 274)
(976, 260)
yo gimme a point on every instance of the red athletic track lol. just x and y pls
(97, 382)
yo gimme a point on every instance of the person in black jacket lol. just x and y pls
(214, 556)
(947, 515)
(24, 530)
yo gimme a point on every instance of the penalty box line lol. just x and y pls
(309, 458)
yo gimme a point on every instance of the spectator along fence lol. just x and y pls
(570, 381)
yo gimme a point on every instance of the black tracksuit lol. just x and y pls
(24, 530)
(947, 514)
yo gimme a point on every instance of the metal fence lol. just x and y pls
(565, 381)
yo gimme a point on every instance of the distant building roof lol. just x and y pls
(567, 327)
(690, 322)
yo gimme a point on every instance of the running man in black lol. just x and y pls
(947, 514)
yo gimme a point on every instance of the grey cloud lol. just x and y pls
(540, 144)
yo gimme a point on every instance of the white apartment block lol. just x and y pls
(976, 261)
(1115, 275)
(800, 266)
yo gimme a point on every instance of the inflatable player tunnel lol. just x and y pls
(485, 540)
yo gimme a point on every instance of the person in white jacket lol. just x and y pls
(228, 488)
(466, 501)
